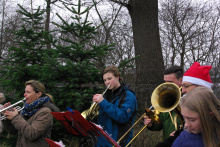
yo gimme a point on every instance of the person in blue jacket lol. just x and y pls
(118, 107)
(200, 109)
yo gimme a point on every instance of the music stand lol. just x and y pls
(105, 135)
(52, 143)
(76, 124)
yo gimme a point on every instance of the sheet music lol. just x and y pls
(105, 135)
(75, 123)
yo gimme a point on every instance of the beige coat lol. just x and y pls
(33, 131)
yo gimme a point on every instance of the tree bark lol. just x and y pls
(47, 23)
(2, 28)
(144, 16)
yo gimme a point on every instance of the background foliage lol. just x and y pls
(69, 51)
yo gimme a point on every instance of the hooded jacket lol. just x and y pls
(116, 114)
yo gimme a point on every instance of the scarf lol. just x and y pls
(32, 108)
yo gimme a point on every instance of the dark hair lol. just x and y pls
(114, 70)
(174, 69)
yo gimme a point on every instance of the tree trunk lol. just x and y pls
(47, 23)
(2, 28)
(149, 64)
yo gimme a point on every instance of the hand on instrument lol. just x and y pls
(172, 134)
(10, 114)
(147, 121)
(7, 105)
(98, 98)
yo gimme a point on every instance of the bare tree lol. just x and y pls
(2, 28)
(189, 32)
(144, 20)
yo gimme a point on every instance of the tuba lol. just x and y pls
(93, 111)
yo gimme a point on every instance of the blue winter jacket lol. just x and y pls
(113, 116)
(188, 140)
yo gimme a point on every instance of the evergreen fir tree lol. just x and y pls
(24, 62)
(71, 71)
(26, 58)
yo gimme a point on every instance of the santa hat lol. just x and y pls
(198, 75)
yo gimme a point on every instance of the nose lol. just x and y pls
(107, 82)
(187, 124)
(183, 90)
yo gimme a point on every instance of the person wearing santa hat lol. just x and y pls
(196, 76)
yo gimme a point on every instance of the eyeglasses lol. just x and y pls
(187, 86)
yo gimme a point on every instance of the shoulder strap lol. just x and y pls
(124, 127)
(122, 99)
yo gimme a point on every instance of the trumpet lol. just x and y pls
(13, 106)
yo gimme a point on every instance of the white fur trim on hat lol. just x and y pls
(197, 81)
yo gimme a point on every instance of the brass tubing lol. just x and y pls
(160, 100)
(136, 135)
(131, 127)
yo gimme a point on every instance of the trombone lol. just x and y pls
(164, 98)
(12, 106)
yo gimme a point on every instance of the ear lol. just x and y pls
(39, 94)
(181, 80)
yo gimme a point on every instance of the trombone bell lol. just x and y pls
(166, 97)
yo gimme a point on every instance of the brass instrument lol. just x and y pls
(12, 106)
(164, 98)
(93, 111)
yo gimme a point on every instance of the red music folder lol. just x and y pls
(52, 143)
(105, 135)
(76, 124)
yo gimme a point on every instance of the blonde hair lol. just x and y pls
(114, 70)
(38, 87)
(204, 102)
